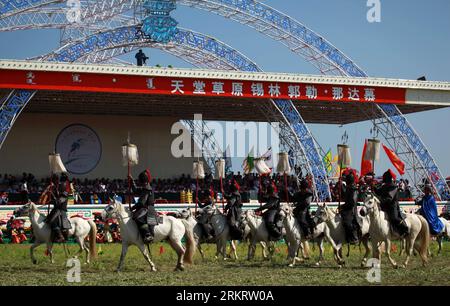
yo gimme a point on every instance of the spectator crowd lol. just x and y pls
(98, 191)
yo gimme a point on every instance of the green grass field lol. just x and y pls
(16, 269)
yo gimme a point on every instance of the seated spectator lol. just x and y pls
(4, 198)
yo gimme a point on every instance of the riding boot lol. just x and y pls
(274, 232)
(403, 229)
(58, 236)
(150, 234)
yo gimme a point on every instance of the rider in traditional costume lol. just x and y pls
(429, 211)
(233, 210)
(270, 216)
(144, 212)
(349, 210)
(302, 201)
(388, 194)
(206, 203)
(57, 218)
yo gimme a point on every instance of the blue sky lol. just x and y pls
(411, 40)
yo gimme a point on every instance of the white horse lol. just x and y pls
(259, 234)
(171, 229)
(43, 234)
(337, 231)
(439, 237)
(296, 240)
(381, 231)
(444, 233)
(221, 231)
(200, 237)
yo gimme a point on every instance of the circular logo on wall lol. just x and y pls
(80, 148)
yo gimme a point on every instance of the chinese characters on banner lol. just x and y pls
(93, 82)
(274, 90)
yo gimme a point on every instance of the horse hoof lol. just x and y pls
(290, 265)
(395, 266)
(153, 269)
(317, 264)
(34, 262)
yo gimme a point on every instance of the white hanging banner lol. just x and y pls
(283, 163)
(220, 168)
(373, 150)
(344, 157)
(56, 164)
(198, 171)
(130, 154)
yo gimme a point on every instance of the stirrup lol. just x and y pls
(148, 239)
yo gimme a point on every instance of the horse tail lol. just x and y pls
(190, 242)
(424, 237)
(92, 240)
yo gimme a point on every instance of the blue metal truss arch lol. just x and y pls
(204, 44)
(329, 60)
(10, 7)
(10, 109)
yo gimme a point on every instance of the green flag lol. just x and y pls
(248, 165)
(327, 159)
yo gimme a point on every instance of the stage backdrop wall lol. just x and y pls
(90, 145)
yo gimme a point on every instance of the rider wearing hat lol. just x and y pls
(233, 210)
(144, 213)
(207, 201)
(273, 208)
(57, 218)
(348, 210)
(302, 201)
(388, 194)
(429, 211)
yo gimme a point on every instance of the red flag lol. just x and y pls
(161, 250)
(366, 165)
(398, 164)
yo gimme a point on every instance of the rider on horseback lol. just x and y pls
(233, 210)
(428, 210)
(348, 210)
(273, 209)
(144, 213)
(388, 194)
(302, 201)
(203, 219)
(57, 218)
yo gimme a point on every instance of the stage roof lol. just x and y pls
(217, 95)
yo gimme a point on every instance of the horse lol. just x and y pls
(222, 231)
(295, 238)
(337, 232)
(259, 233)
(80, 229)
(380, 231)
(200, 237)
(439, 237)
(444, 233)
(172, 229)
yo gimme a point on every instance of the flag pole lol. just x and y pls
(340, 185)
(221, 190)
(260, 191)
(196, 188)
(129, 172)
(286, 187)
